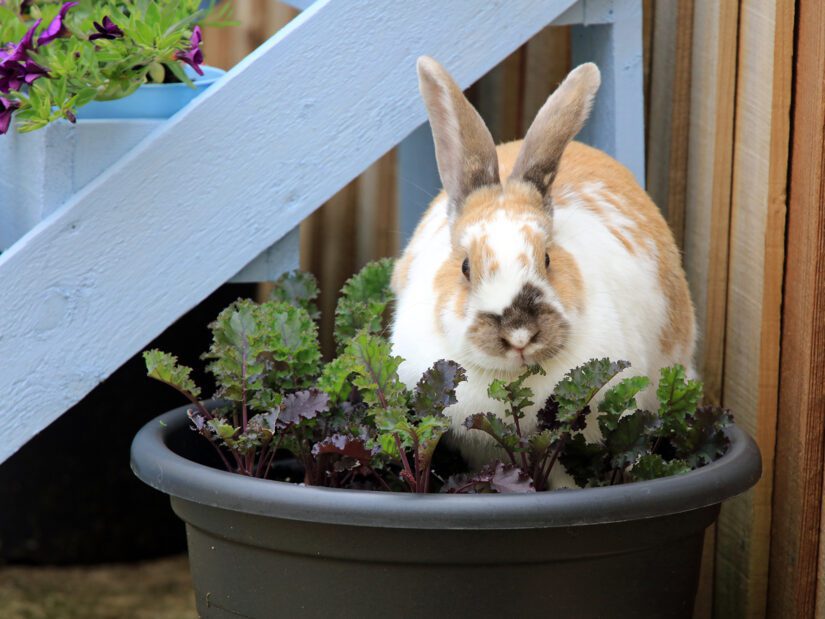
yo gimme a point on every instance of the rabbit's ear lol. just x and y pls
(464, 148)
(558, 121)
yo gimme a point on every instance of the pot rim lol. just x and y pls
(163, 469)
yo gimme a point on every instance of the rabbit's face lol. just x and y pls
(503, 295)
(503, 256)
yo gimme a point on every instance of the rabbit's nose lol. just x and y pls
(520, 338)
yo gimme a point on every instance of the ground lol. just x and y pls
(159, 589)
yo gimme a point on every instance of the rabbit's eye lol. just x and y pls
(546, 261)
(465, 268)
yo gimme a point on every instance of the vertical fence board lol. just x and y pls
(498, 97)
(705, 201)
(757, 242)
(669, 109)
(378, 227)
(797, 510)
(707, 197)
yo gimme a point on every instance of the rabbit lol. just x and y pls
(540, 251)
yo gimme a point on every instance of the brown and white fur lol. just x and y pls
(539, 251)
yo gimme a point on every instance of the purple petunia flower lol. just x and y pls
(108, 30)
(14, 74)
(193, 56)
(56, 28)
(6, 109)
(19, 52)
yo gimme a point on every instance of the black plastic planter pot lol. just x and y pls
(263, 549)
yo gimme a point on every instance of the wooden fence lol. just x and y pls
(734, 119)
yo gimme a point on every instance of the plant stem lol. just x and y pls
(411, 477)
(556, 453)
(220, 453)
(380, 479)
(243, 389)
(204, 411)
(261, 457)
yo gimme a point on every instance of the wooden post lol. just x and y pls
(796, 540)
(707, 197)
(669, 119)
(757, 247)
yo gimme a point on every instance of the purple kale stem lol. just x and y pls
(243, 385)
(522, 455)
(411, 479)
(416, 463)
(469, 484)
(221, 454)
(272, 456)
(191, 398)
(380, 479)
(261, 458)
(555, 456)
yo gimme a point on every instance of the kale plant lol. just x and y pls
(636, 444)
(351, 422)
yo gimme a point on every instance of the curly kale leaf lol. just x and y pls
(336, 379)
(496, 477)
(364, 301)
(619, 398)
(705, 439)
(631, 438)
(587, 463)
(376, 371)
(502, 432)
(165, 368)
(653, 466)
(259, 351)
(435, 391)
(353, 451)
(297, 288)
(514, 393)
(510, 479)
(678, 398)
(301, 405)
(580, 385)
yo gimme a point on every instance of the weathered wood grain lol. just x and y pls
(796, 552)
(669, 115)
(757, 248)
(221, 182)
(707, 195)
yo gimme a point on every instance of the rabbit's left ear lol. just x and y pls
(558, 121)
(464, 149)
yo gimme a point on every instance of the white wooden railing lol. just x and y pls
(236, 171)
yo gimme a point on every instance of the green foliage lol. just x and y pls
(351, 422)
(364, 301)
(259, 350)
(653, 466)
(678, 398)
(376, 371)
(618, 399)
(81, 70)
(165, 368)
(514, 394)
(299, 289)
(580, 385)
(586, 462)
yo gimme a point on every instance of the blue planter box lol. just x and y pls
(159, 101)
